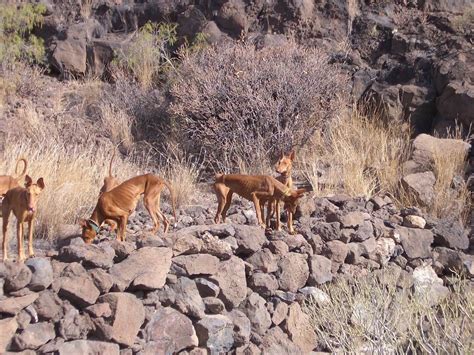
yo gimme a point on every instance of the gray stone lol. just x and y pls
(327, 231)
(144, 269)
(264, 284)
(421, 185)
(242, 327)
(128, 317)
(16, 275)
(90, 255)
(48, 306)
(35, 335)
(78, 290)
(170, 331)
(216, 333)
(13, 305)
(207, 288)
(197, 264)
(74, 325)
(232, 281)
(320, 270)
(88, 347)
(249, 239)
(8, 327)
(276, 341)
(42, 273)
(264, 260)
(294, 272)
(255, 309)
(300, 329)
(416, 242)
(187, 298)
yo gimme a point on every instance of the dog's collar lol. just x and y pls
(93, 225)
(287, 192)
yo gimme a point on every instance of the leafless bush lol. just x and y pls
(117, 124)
(241, 105)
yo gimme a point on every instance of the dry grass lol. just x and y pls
(359, 155)
(117, 124)
(182, 171)
(450, 200)
(86, 8)
(374, 315)
(73, 177)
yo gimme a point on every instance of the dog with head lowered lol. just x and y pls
(118, 203)
(255, 188)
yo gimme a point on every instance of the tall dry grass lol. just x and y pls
(374, 314)
(181, 170)
(117, 125)
(358, 154)
(73, 177)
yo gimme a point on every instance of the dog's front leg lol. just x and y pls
(290, 222)
(277, 209)
(19, 236)
(31, 253)
(123, 228)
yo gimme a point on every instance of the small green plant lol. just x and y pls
(16, 40)
(148, 55)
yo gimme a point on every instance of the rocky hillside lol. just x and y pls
(412, 58)
(219, 288)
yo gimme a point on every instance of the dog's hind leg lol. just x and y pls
(6, 215)
(151, 203)
(228, 201)
(222, 193)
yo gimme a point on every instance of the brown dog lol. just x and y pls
(22, 201)
(282, 167)
(253, 188)
(118, 203)
(8, 182)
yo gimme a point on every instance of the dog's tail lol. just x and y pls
(25, 166)
(173, 199)
(111, 162)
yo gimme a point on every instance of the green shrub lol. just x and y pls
(16, 40)
(148, 54)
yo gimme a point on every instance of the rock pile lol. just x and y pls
(217, 288)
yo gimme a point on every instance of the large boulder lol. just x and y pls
(255, 309)
(264, 260)
(101, 256)
(13, 305)
(416, 242)
(457, 102)
(144, 269)
(128, 316)
(35, 335)
(300, 329)
(232, 281)
(249, 239)
(197, 264)
(450, 234)
(426, 148)
(88, 347)
(216, 332)
(8, 327)
(42, 273)
(320, 270)
(276, 341)
(187, 298)
(294, 272)
(421, 186)
(79, 290)
(16, 275)
(233, 18)
(48, 306)
(170, 331)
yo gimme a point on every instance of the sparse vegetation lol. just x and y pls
(375, 314)
(241, 105)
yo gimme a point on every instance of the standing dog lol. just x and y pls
(118, 203)
(22, 201)
(254, 188)
(8, 182)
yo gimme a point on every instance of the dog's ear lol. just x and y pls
(40, 183)
(83, 222)
(292, 155)
(28, 181)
